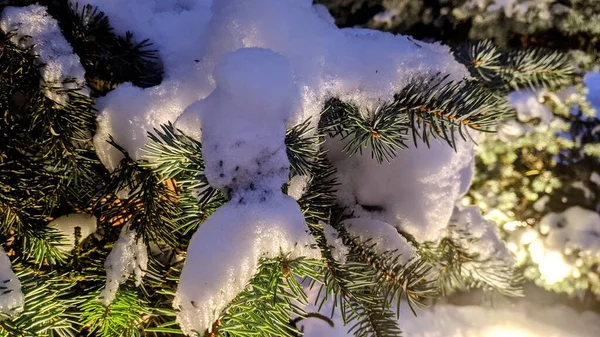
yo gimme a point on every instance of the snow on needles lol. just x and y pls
(128, 256)
(11, 297)
(34, 27)
(247, 71)
(245, 156)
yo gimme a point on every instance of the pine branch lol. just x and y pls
(517, 69)
(457, 269)
(302, 146)
(108, 59)
(47, 309)
(150, 207)
(124, 317)
(266, 309)
(426, 108)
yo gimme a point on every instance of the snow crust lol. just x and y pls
(34, 27)
(128, 256)
(67, 224)
(11, 297)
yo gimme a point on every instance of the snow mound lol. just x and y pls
(225, 252)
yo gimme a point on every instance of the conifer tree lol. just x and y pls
(106, 238)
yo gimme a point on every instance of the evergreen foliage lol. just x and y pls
(48, 168)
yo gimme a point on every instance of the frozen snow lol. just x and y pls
(338, 250)
(67, 224)
(595, 178)
(224, 254)
(34, 27)
(592, 82)
(489, 245)
(243, 140)
(11, 297)
(355, 65)
(383, 237)
(128, 256)
(297, 186)
(529, 105)
(415, 193)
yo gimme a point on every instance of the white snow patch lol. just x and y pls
(522, 319)
(488, 244)
(540, 204)
(224, 255)
(338, 250)
(11, 297)
(415, 193)
(67, 224)
(128, 256)
(382, 236)
(34, 27)
(297, 186)
(595, 178)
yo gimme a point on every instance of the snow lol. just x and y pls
(592, 82)
(67, 224)
(243, 139)
(415, 193)
(297, 186)
(488, 244)
(33, 27)
(128, 256)
(520, 320)
(383, 237)
(11, 297)
(224, 254)
(338, 250)
(595, 178)
(354, 65)
(529, 105)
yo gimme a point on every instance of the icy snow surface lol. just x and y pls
(66, 225)
(34, 27)
(11, 297)
(128, 256)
